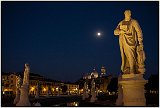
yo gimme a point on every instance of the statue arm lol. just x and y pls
(139, 32)
(117, 30)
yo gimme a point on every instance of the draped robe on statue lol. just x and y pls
(132, 58)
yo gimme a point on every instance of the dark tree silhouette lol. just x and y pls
(153, 83)
(113, 85)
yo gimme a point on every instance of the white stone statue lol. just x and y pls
(131, 83)
(37, 91)
(85, 91)
(24, 100)
(48, 93)
(18, 85)
(26, 75)
(131, 45)
(93, 91)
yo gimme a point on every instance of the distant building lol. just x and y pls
(72, 88)
(102, 81)
(8, 83)
(50, 86)
(103, 71)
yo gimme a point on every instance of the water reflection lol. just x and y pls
(68, 104)
(73, 104)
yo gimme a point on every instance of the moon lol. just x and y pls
(98, 34)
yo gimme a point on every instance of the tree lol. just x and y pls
(153, 83)
(113, 85)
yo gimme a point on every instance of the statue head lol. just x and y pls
(127, 14)
(26, 64)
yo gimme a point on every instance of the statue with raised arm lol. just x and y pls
(131, 45)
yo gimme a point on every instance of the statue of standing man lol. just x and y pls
(26, 74)
(131, 45)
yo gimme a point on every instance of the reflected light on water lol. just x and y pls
(73, 104)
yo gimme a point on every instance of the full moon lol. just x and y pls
(98, 34)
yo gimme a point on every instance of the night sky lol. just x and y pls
(58, 39)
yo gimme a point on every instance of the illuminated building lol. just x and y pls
(103, 71)
(8, 83)
(45, 85)
(72, 88)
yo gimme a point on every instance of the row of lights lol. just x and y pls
(44, 89)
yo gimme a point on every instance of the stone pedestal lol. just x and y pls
(24, 100)
(17, 98)
(133, 90)
(47, 95)
(119, 101)
(85, 95)
(37, 92)
(93, 98)
(37, 95)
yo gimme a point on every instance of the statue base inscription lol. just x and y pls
(133, 89)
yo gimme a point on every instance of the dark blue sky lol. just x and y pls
(58, 39)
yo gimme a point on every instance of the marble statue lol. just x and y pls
(48, 92)
(131, 83)
(26, 75)
(131, 45)
(37, 91)
(18, 85)
(85, 91)
(24, 100)
(58, 92)
(93, 91)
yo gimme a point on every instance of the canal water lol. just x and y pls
(69, 104)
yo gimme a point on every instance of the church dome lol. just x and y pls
(89, 76)
(94, 73)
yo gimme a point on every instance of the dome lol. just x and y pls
(89, 76)
(94, 73)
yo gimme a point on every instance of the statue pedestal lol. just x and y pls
(24, 100)
(17, 98)
(93, 98)
(37, 96)
(85, 95)
(133, 89)
(119, 101)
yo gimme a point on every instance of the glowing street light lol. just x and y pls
(32, 88)
(44, 89)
